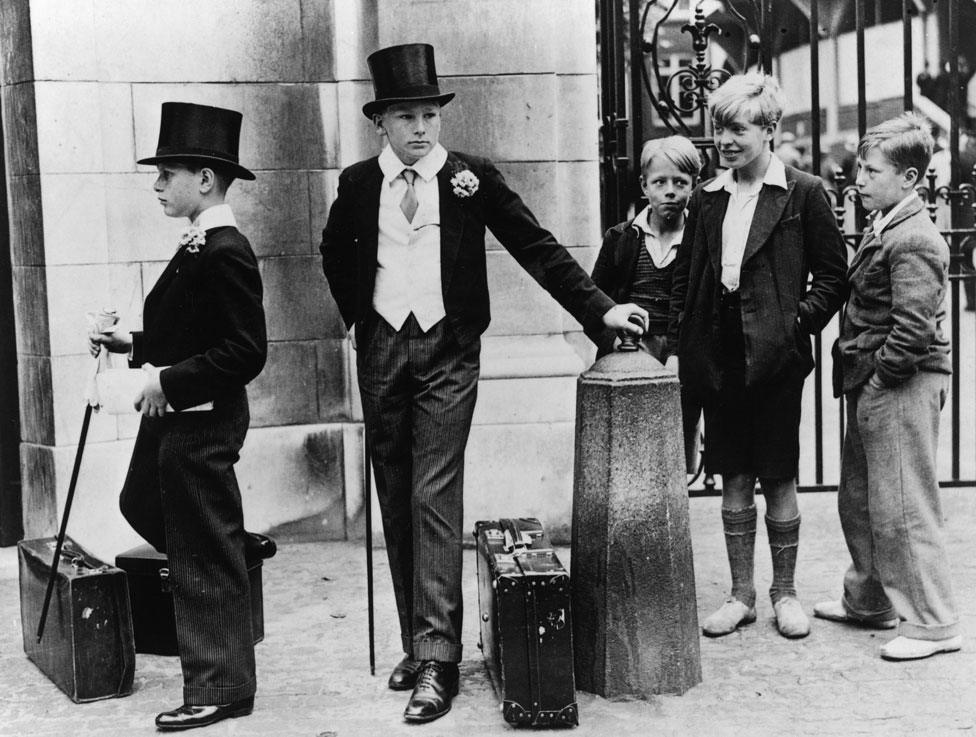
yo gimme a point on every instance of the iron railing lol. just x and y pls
(663, 100)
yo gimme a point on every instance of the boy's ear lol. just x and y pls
(912, 177)
(378, 124)
(208, 180)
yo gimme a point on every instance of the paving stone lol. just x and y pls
(313, 675)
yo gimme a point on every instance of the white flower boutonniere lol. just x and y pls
(465, 183)
(193, 237)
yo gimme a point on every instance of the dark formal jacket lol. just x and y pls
(349, 246)
(205, 320)
(794, 236)
(896, 309)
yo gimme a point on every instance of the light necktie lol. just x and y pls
(409, 202)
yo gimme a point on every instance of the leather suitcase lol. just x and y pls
(526, 625)
(152, 601)
(87, 649)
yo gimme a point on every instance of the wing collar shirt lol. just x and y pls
(408, 254)
(217, 216)
(662, 252)
(881, 222)
(738, 215)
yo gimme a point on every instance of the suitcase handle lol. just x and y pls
(514, 546)
(80, 561)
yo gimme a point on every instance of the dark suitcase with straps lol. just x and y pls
(526, 624)
(87, 647)
(151, 600)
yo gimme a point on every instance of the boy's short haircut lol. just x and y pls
(755, 95)
(677, 149)
(906, 141)
(223, 176)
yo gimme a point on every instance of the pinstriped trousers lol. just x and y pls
(418, 391)
(181, 495)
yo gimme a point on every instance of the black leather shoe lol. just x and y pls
(404, 675)
(437, 684)
(258, 546)
(188, 716)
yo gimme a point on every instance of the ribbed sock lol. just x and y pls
(740, 544)
(784, 539)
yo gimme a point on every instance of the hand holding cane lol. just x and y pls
(104, 321)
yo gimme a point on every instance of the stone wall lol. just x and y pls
(82, 82)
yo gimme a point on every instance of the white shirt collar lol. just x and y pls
(775, 176)
(427, 167)
(216, 216)
(643, 223)
(883, 221)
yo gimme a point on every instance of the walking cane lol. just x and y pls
(64, 521)
(367, 503)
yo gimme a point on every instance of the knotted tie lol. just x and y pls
(409, 202)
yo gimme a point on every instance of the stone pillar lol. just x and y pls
(635, 622)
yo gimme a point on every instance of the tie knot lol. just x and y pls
(409, 175)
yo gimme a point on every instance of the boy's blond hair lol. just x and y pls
(755, 95)
(906, 141)
(677, 149)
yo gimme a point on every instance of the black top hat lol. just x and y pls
(403, 74)
(200, 133)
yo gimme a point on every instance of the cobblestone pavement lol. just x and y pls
(314, 679)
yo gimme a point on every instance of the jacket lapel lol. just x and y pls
(714, 205)
(367, 215)
(870, 242)
(769, 210)
(164, 280)
(452, 219)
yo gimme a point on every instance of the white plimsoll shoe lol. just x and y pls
(908, 648)
(835, 611)
(791, 620)
(728, 617)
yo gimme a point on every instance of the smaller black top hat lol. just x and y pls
(403, 74)
(200, 133)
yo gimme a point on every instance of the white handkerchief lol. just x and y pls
(117, 389)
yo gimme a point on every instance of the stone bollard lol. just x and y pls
(635, 620)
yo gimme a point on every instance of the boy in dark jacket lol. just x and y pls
(760, 269)
(203, 340)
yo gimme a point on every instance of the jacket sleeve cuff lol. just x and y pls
(136, 351)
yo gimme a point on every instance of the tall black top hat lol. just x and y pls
(200, 133)
(403, 74)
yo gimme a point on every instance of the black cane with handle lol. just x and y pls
(52, 576)
(367, 504)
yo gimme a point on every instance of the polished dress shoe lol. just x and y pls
(258, 546)
(437, 684)
(404, 675)
(189, 716)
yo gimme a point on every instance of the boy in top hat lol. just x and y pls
(892, 364)
(203, 340)
(404, 255)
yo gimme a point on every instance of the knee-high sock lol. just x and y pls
(740, 543)
(784, 538)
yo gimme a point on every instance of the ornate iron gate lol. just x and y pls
(668, 92)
